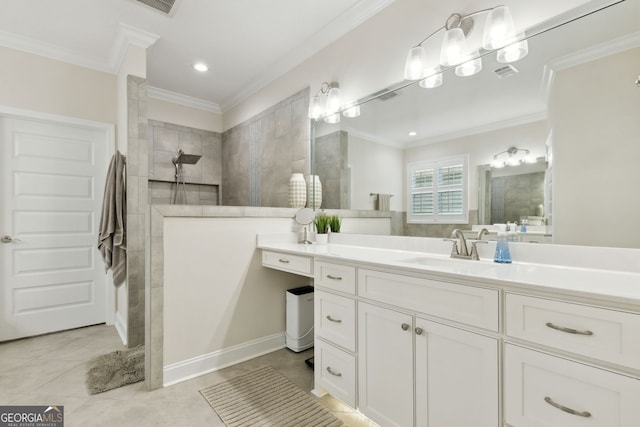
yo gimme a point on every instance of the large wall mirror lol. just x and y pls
(571, 102)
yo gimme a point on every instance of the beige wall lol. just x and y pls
(216, 292)
(375, 168)
(169, 112)
(595, 114)
(481, 148)
(36, 83)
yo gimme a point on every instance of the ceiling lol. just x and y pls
(245, 43)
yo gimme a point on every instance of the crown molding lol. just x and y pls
(489, 127)
(39, 48)
(345, 22)
(126, 36)
(184, 100)
(583, 56)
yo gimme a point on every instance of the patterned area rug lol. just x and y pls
(115, 369)
(264, 397)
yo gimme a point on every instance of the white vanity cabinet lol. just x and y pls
(426, 348)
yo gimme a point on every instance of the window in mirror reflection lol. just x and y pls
(438, 191)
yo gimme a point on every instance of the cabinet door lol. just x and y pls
(385, 361)
(456, 377)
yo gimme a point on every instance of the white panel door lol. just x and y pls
(385, 361)
(52, 276)
(456, 377)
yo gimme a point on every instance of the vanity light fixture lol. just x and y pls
(499, 35)
(327, 103)
(512, 157)
(412, 133)
(200, 66)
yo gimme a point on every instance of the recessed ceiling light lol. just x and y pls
(200, 67)
(412, 133)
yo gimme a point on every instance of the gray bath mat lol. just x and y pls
(115, 369)
(264, 397)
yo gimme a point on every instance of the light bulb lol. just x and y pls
(334, 101)
(315, 108)
(454, 47)
(353, 110)
(332, 119)
(497, 164)
(499, 28)
(415, 64)
(200, 67)
(513, 52)
(469, 68)
(433, 80)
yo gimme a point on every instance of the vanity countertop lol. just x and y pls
(615, 286)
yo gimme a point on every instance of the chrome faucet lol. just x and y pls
(463, 251)
(460, 249)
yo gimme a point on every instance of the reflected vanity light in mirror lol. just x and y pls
(351, 111)
(499, 28)
(513, 52)
(469, 68)
(433, 81)
(512, 157)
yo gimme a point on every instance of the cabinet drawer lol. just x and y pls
(465, 304)
(335, 276)
(287, 262)
(543, 390)
(335, 371)
(335, 319)
(608, 335)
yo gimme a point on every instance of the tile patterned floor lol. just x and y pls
(50, 370)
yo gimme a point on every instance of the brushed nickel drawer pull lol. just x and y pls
(404, 327)
(284, 261)
(419, 331)
(584, 414)
(568, 330)
(331, 371)
(329, 276)
(331, 319)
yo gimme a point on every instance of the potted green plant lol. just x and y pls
(322, 222)
(335, 222)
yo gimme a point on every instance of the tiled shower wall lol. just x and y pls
(516, 196)
(331, 167)
(202, 179)
(137, 196)
(260, 154)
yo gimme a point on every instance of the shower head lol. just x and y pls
(185, 159)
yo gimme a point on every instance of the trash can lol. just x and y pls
(299, 334)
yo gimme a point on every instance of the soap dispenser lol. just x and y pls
(502, 248)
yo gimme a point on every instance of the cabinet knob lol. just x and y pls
(405, 327)
(419, 331)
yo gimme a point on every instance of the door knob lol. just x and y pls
(9, 239)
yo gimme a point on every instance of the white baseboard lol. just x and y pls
(121, 327)
(206, 363)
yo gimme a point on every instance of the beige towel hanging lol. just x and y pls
(112, 241)
(383, 201)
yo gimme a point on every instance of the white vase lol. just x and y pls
(297, 191)
(322, 238)
(314, 192)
